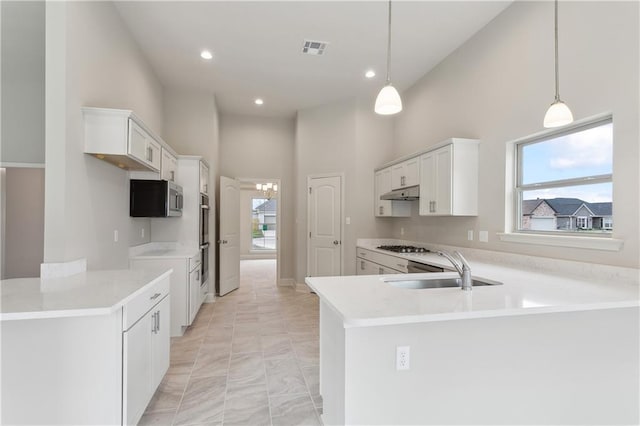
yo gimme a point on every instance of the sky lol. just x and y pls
(585, 153)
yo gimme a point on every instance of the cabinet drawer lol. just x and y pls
(395, 263)
(136, 308)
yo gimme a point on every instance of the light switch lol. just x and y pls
(347, 220)
(470, 235)
(142, 232)
(115, 236)
(483, 236)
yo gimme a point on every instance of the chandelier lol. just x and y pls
(269, 190)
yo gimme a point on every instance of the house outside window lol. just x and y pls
(263, 224)
(564, 181)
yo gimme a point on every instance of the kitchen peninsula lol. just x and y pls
(539, 349)
(89, 348)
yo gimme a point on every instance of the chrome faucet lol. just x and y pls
(461, 265)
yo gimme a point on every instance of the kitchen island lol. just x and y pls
(538, 349)
(89, 348)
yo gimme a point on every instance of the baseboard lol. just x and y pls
(304, 288)
(287, 282)
(210, 298)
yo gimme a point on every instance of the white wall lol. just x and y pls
(191, 127)
(497, 87)
(91, 60)
(23, 237)
(22, 47)
(262, 148)
(345, 137)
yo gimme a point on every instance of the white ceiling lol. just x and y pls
(257, 46)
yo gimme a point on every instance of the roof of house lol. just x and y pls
(567, 206)
(269, 206)
(528, 206)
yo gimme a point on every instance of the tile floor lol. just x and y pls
(250, 358)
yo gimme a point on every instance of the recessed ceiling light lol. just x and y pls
(370, 74)
(205, 54)
(258, 101)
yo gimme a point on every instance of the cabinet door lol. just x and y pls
(194, 293)
(137, 350)
(443, 180)
(204, 178)
(382, 186)
(155, 153)
(138, 142)
(366, 267)
(160, 346)
(412, 172)
(427, 183)
(168, 166)
(397, 176)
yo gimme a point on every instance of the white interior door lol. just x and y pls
(229, 242)
(324, 250)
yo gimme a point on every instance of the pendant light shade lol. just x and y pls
(558, 113)
(388, 101)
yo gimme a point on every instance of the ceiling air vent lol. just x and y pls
(312, 47)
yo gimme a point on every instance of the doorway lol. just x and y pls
(257, 213)
(324, 225)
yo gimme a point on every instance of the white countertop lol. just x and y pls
(369, 301)
(163, 251)
(84, 294)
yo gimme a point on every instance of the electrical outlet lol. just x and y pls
(115, 236)
(402, 357)
(483, 236)
(470, 235)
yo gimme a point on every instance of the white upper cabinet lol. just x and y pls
(388, 208)
(122, 139)
(204, 178)
(169, 166)
(449, 179)
(405, 174)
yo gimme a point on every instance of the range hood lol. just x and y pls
(406, 194)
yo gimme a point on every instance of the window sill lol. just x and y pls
(593, 243)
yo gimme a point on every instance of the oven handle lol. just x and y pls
(421, 267)
(204, 206)
(204, 246)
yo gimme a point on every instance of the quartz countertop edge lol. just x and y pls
(143, 279)
(165, 250)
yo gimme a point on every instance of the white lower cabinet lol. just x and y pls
(370, 262)
(146, 359)
(186, 292)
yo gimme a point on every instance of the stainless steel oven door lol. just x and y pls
(204, 248)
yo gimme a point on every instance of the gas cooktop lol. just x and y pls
(404, 249)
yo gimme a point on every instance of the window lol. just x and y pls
(263, 223)
(564, 181)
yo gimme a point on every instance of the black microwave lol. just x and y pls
(155, 198)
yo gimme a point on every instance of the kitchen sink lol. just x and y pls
(437, 283)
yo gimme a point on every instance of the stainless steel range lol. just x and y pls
(404, 249)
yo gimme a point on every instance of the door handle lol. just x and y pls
(336, 242)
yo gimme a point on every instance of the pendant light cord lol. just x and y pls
(389, 44)
(557, 66)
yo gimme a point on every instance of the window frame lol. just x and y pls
(519, 188)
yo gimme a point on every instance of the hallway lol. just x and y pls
(250, 358)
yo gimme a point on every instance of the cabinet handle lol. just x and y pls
(158, 321)
(434, 206)
(402, 181)
(155, 296)
(381, 210)
(206, 188)
(173, 176)
(362, 265)
(153, 325)
(380, 271)
(198, 275)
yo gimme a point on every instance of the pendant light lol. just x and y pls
(558, 113)
(388, 101)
